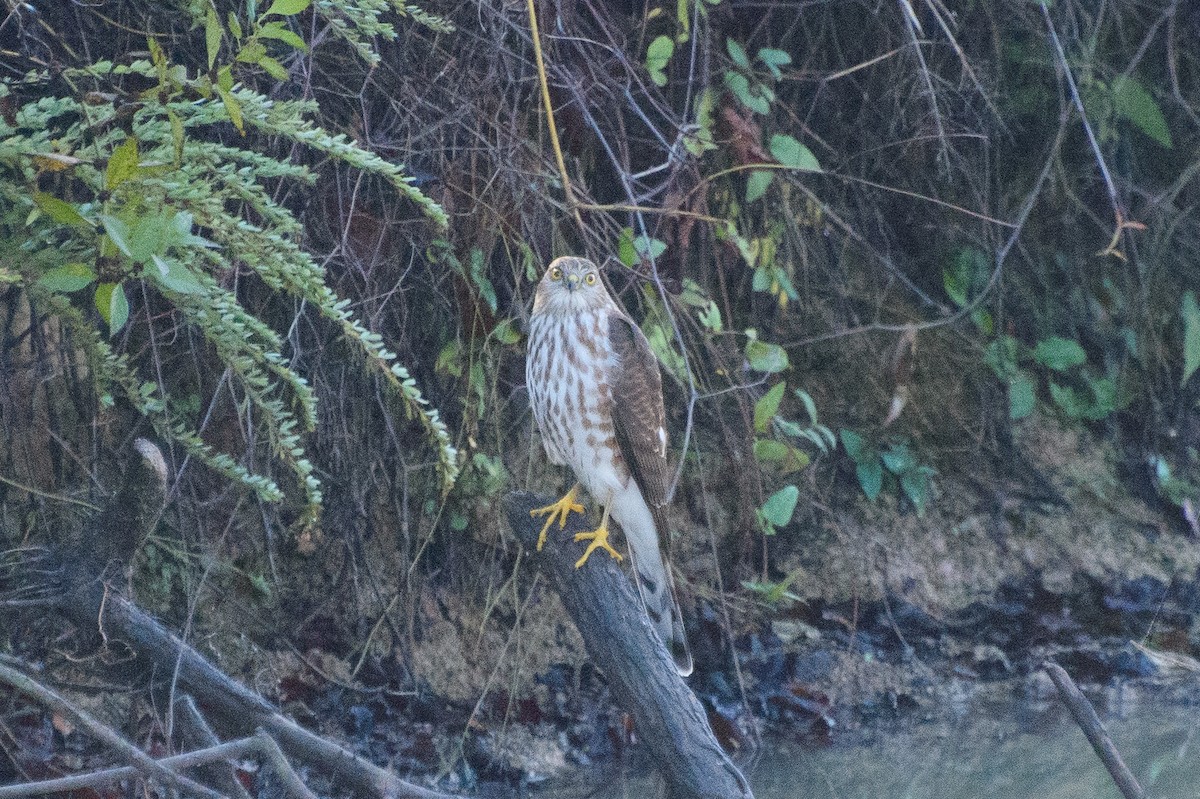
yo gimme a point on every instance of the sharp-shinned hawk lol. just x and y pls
(597, 397)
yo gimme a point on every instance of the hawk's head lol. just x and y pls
(570, 285)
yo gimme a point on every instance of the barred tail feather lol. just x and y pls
(645, 532)
(657, 590)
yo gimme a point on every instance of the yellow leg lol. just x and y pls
(559, 510)
(599, 539)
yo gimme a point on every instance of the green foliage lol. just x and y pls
(765, 357)
(964, 279)
(1191, 335)
(658, 55)
(1131, 101)
(777, 511)
(774, 593)
(750, 88)
(792, 154)
(93, 202)
(1078, 390)
(893, 462)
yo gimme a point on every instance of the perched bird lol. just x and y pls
(597, 398)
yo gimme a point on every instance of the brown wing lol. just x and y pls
(638, 416)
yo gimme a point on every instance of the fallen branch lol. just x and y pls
(89, 601)
(196, 734)
(1085, 716)
(600, 600)
(142, 762)
(260, 744)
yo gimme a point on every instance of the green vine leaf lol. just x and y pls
(122, 164)
(777, 511)
(113, 306)
(1191, 335)
(1132, 101)
(792, 154)
(1059, 353)
(68, 278)
(287, 8)
(658, 55)
(60, 211)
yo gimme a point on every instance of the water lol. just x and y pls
(1020, 749)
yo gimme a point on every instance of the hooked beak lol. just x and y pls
(572, 282)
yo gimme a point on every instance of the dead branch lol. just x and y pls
(142, 762)
(259, 744)
(196, 734)
(618, 636)
(87, 600)
(1085, 716)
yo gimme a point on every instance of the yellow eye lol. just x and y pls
(590, 278)
(556, 274)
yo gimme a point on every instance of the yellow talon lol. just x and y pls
(560, 510)
(599, 539)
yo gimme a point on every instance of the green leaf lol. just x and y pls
(768, 450)
(176, 135)
(1021, 395)
(287, 8)
(774, 59)
(767, 406)
(870, 477)
(662, 345)
(780, 506)
(174, 276)
(658, 55)
(273, 67)
(506, 332)
(626, 253)
(1002, 355)
(700, 140)
(1132, 101)
(118, 233)
(60, 211)
(233, 108)
(1058, 353)
(710, 317)
(791, 153)
(1191, 335)
(749, 96)
(252, 52)
(757, 184)
(122, 164)
(1069, 401)
(782, 456)
(279, 32)
(113, 306)
(737, 53)
(899, 459)
(915, 484)
(212, 35)
(765, 357)
(67, 278)
(480, 279)
(235, 26)
(649, 248)
(856, 446)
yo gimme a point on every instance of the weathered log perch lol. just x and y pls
(601, 601)
(89, 596)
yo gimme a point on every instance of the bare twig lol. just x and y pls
(142, 762)
(549, 107)
(1085, 716)
(198, 735)
(261, 744)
